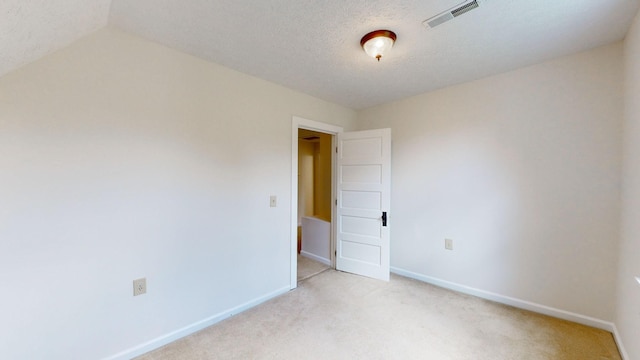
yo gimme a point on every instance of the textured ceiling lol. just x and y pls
(313, 46)
(30, 29)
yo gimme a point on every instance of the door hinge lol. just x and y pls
(336, 202)
(336, 149)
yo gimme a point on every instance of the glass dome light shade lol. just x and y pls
(377, 43)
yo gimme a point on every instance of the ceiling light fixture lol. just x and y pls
(377, 43)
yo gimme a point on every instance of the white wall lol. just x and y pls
(522, 171)
(316, 239)
(628, 304)
(122, 159)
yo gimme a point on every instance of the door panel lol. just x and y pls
(361, 200)
(361, 174)
(361, 252)
(364, 186)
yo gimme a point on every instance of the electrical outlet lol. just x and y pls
(139, 286)
(273, 201)
(448, 244)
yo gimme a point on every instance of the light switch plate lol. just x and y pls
(273, 201)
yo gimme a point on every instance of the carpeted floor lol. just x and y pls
(335, 315)
(308, 268)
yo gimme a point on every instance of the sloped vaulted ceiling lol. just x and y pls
(30, 29)
(313, 46)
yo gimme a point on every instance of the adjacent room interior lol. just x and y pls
(147, 183)
(314, 202)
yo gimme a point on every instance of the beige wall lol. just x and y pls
(314, 174)
(522, 171)
(322, 178)
(628, 299)
(306, 151)
(121, 159)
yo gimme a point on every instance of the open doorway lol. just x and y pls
(314, 202)
(309, 130)
(360, 199)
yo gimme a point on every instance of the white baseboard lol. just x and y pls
(522, 304)
(190, 329)
(621, 349)
(315, 257)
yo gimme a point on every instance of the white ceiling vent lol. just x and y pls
(456, 11)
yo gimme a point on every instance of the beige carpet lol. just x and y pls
(308, 268)
(336, 315)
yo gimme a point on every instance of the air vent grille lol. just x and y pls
(451, 13)
(464, 8)
(439, 20)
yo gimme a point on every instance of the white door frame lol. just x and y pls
(301, 123)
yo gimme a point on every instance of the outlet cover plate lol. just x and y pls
(139, 286)
(448, 244)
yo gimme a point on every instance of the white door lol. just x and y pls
(363, 187)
